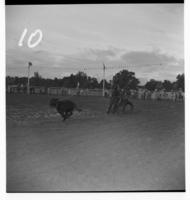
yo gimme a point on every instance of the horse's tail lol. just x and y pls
(131, 104)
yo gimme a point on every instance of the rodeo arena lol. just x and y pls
(100, 147)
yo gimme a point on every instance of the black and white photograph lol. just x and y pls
(95, 98)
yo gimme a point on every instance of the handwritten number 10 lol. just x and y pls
(29, 43)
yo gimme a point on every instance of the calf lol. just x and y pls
(64, 107)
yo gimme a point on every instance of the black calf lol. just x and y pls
(64, 107)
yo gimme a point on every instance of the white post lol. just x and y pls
(103, 89)
(28, 85)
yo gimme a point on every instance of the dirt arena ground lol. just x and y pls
(93, 151)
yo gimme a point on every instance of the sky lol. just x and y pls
(147, 39)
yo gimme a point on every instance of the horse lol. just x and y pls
(120, 100)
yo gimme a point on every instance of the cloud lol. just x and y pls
(147, 58)
(21, 56)
(145, 64)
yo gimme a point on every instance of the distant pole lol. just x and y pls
(28, 85)
(103, 89)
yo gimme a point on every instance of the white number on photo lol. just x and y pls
(29, 43)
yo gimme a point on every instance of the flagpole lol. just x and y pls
(103, 89)
(28, 84)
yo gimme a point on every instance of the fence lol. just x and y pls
(75, 91)
(23, 89)
(161, 95)
(142, 94)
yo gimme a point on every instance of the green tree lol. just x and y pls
(167, 85)
(107, 84)
(36, 80)
(180, 81)
(125, 79)
(152, 85)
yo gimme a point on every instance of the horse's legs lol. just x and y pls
(109, 108)
(115, 106)
(124, 106)
(131, 105)
(111, 105)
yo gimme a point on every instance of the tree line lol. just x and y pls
(124, 78)
(80, 79)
